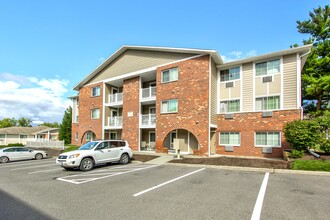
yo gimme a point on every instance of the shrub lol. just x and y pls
(325, 146)
(302, 134)
(15, 144)
(71, 148)
(297, 154)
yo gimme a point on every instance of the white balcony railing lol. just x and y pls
(148, 120)
(148, 93)
(115, 121)
(116, 98)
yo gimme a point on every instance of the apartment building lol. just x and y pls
(160, 99)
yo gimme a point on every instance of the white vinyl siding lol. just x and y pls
(95, 113)
(268, 68)
(230, 138)
(169, 106)
(268, 139)
(170, 75)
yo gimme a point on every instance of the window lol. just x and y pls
(23, 136)
(96, 91)
(77, 117)
(89, 136)
(113, 135)
(268, 139)
(170, 75)
(230, 74)
(268, 68)
(95, 113)
(77, 100)
(230, 138)
(169, 106)
(76, 136)
(268, 103)
(230, 106)
(2, 136)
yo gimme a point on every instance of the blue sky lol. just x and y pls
(47, 47)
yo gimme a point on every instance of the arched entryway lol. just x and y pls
(181, 139)
(88, 136)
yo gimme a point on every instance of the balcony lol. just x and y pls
(115, 122)
(148, 121)
(115, 99)
(148, 94)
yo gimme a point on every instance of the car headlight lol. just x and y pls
(74, 156)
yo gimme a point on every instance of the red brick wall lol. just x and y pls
(247, 124)
(74, 129)
(192, 92)
(131, 91)
(86, 104)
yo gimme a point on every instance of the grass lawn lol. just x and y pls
(315, 165)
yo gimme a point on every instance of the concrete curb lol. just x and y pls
(253, 169)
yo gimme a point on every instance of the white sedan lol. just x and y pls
(20, 153)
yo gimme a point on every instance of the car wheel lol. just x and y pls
(86, 164)
(124, 159)
(39, 156)
(4, 159)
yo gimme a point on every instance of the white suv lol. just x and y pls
(95, 153)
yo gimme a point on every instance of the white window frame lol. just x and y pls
(263, 97)
(273, 146)
(229, 100)
(267, 73)
(97, 88)
(239, 134)
(169, 70)
(229, 80)
(169, 112)
(95, 110)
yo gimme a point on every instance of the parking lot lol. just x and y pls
(39, 189)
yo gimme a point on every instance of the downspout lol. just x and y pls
(301, 108)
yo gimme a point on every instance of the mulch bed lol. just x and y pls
(143, 158)
(241, 162)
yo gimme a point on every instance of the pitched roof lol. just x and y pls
(22, 130)
(213, 53)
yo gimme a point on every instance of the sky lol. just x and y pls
(47, 47)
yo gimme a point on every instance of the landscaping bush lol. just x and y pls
(302, 134)
(15, 145)
(70, 148)
(325, 146)
(297, 154)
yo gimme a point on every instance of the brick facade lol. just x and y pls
(192, 91)
(86, 123)
(249, 123)
(131, 106)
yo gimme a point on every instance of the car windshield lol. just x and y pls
(88, 146)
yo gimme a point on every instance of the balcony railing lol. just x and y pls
(116, 98)
(148, 93)
(148, 120)
(115, 121)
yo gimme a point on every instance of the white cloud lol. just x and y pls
(42, 100)
(236, 55)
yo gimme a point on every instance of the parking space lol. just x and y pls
(147, 191)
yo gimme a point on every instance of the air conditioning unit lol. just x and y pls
(229, 116)
(229, 84)
(267, 79)
(267, 150)
(267, 114)
(229, 148)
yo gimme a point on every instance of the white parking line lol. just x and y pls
(44, 171)
(25, 168)
(170, 181)
(85, 180)
(258, 206)
(18, 164)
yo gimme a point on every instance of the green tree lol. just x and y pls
(51, 125)
(316, 72)
(24, 122)
(65, 127)
(8, 122)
